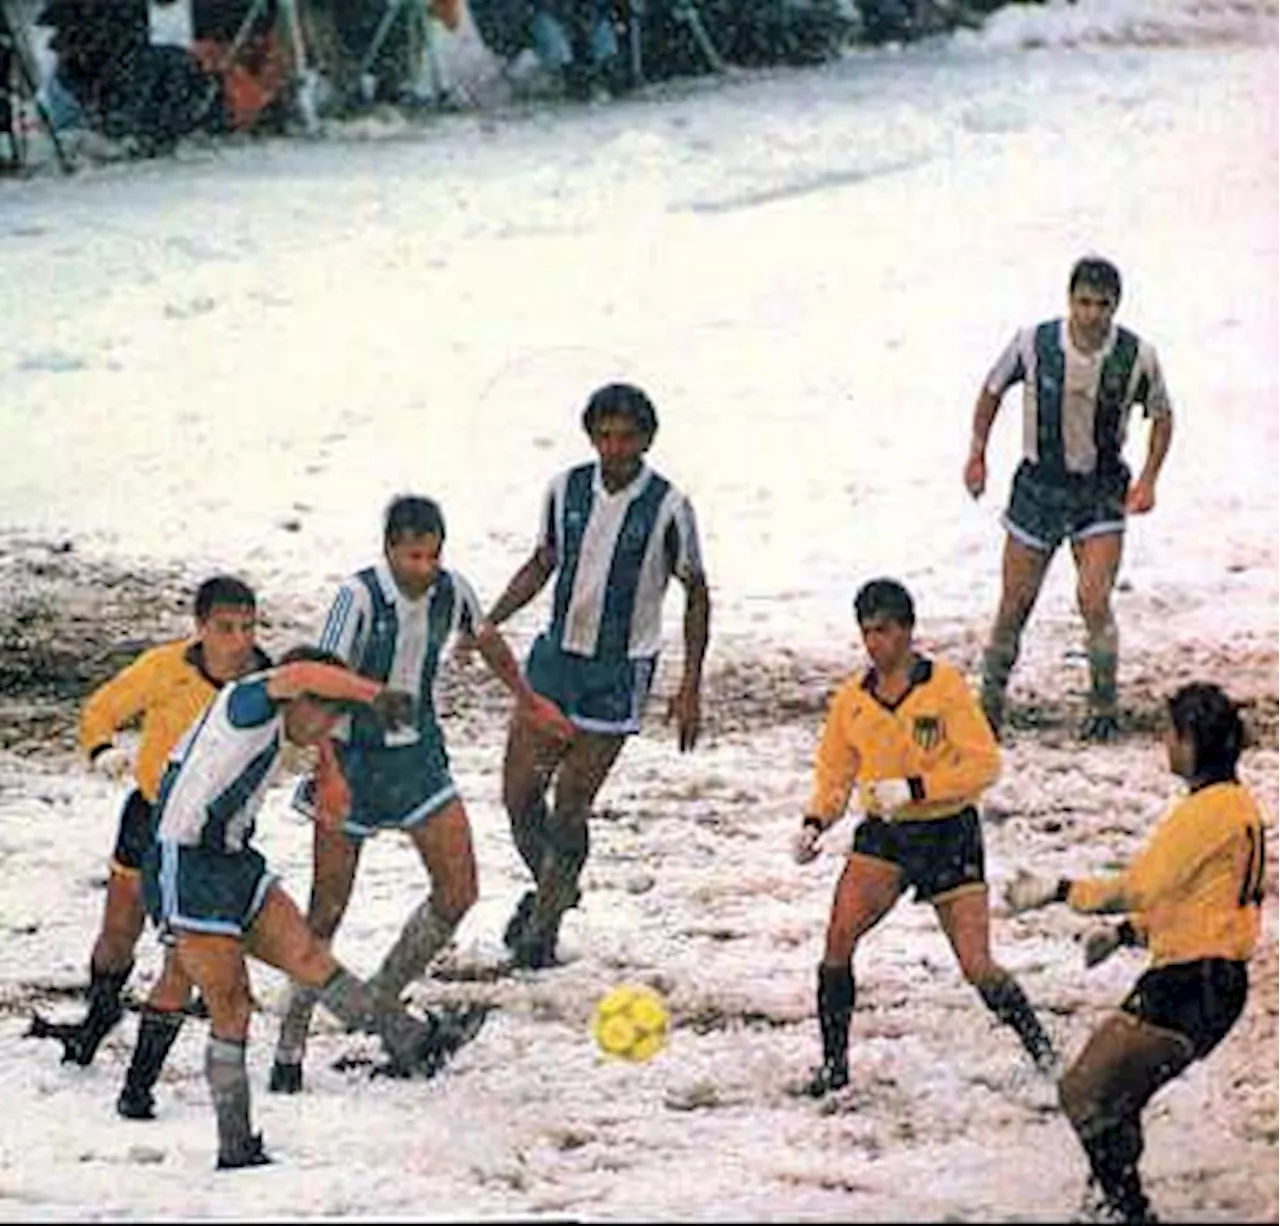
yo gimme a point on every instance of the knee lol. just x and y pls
(452, 900)
(229, 1010)
(1078, 1098)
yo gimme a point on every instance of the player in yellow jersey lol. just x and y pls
(166, 687)
(913, 738)
(1193, 896)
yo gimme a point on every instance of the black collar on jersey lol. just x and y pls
(919, 673)
(194, 655)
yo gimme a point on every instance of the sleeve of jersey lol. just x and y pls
(1166, 862)
(116, 702)
(347, 622)
(468, 615)
(249, 705)
(1008, 370)
(1153, 394)
(970, 761)
(836, 763)
(688, 560)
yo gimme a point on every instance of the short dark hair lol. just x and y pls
(884, 598)
(224, 590)
(1204, 713)
(412, 515)
(1095, 273)
(625, 399)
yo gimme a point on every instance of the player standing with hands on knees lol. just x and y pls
(910, 735)
(1193, 896)
(1081, 377)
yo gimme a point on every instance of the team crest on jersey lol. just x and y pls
(926, 731)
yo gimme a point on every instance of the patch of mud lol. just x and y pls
(69, 622)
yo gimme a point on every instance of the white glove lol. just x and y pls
(112, 763)
(1028, 890)
(1100, 943)
(884, 797)
(804, 843)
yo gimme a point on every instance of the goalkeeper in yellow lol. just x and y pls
(910, 734)
(1193, 896)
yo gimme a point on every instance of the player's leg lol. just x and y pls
(335, 859)
(215, 963)
(865, 893)
(965, 917)
(1125, 1061)
(1023, 568)
(123, 916)
(583, 770)
(1097, 557)
(160, 1022)
(443, 841)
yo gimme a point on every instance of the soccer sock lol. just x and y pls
(105, 1011)
(224, 1070)
(291, 1043)
(156, 1034)
(529, 833)
(1009, 1003)
(423, 936)
(350, 1000)
(998, 659)
(835, 1009)
(1113, 1155)
(1104, 655)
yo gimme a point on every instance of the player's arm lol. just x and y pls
(836, 763)
(683, 549)
(532, 577)
(1142, 494)
(113, 705)
(1008, 370)
(327, 682)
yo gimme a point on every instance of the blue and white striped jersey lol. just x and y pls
(384, 635)
(615, 554)
(1075, 405)
(218, 774)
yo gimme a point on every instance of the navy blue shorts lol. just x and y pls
(938, 856)
(391, 788)
(133, 835)
(192, 889)
(597, 695)
(1044, 510)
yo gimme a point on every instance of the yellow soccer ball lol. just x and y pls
(631, 1022)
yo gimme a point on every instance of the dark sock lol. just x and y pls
(156, 1034)
(1009, 1003)
(835, 1009)
(105, 1010)
(224, 1069)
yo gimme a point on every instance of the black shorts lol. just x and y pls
(133, 836)
(936, 856)
(1200, 999)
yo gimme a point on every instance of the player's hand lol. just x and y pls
(685, 708)
(1140, 498)
(804, 843)
(975, 475)
(1029, 891)
(549, 719)
(112, 763)
(884, 797)
(1100, 943)
(393, 709)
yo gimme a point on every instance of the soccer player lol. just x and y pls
(166, 687)
(392, 622)
(1081, 377)
(210, 893)
(613, 533)
(912, 737)
(1193, 895)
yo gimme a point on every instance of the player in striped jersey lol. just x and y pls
(911, 737)
(1193, 895)
(613, 533)
(209, 890)
(1081, 378)
(392, 622)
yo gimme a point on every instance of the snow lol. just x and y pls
(232, 359)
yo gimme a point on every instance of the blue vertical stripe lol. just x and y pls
(624, 569)
(1113, 384)
(578, 497)
(1051, 366)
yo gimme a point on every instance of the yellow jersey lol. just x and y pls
(936, 737)
(168, 687)
(1195, 888)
